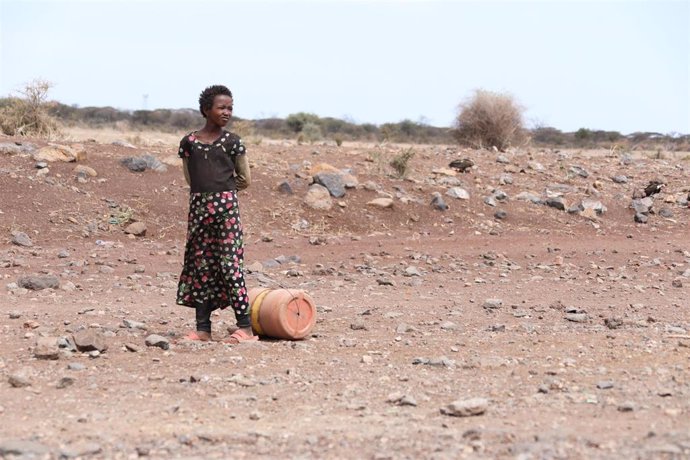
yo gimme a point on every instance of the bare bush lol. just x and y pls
(28, 115)
(489, 119)
(400, 163)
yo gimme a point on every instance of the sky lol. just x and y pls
(612, 65)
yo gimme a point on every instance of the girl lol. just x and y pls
(215, 167)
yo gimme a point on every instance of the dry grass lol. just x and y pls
(490, 119)
(109, 135)
(28, 115)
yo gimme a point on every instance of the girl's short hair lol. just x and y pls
(209, 94)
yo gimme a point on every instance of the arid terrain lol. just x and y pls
(518, 323)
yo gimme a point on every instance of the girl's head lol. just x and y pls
(208, 95)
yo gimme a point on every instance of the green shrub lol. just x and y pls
(489, 119)
(297, 121)
(311, 132)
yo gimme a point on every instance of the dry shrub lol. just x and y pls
(28, 115)
(400, 163)
(490, 119)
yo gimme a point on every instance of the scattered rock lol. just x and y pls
(21, 239)
(131, 324)
(318, 197)
(136, 228)
(47, 348)
(285, 188)
(90, 340)
(80, 450)
(492, 304)
(18, 381)
(65, 382)
(59, 153)
(605, 385)
(461, 165)
(158, 341)
(39, 282)
(578, 171)
(466, 408)
(437, 202)
(381, 202)
(666, 213)
(576, 317)
(556, 202)
(86, 170)
(25, 449)
(459, 193)
(333, 182)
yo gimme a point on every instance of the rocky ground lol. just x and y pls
(527, 308)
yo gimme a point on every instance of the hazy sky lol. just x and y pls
(616, 65)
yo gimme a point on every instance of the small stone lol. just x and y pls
(613, 323)
(626, 407)
(65, 382)
(458, 193)
(39, 282)
(132, 348)
(381, 202)
(76, 366)
(358, 326)
(367, 359)
(14, 314)
(448, 326)
(557, 203)
(403, 328)
(90, 340)
(412, 271)
(285, 188)
(641, 218)
(576, 317)
(605, 385)
(19, 381)
(21, 239)
(500, 214)
(47, 348)
(131, 324)
(80, 450)
(466, 408)
(666, 213)
(492, 304)
(155, 340)
(25, 449)
(136, 228)
(437, 202)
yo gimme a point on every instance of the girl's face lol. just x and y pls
(221, 111)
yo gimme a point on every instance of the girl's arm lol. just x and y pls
(185, 168)
(244, 177)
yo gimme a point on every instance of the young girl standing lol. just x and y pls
(215, 167)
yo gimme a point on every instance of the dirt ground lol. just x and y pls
(572, 329)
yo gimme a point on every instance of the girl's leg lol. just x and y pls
(203, 321)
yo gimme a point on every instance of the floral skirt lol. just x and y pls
(213, 273)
